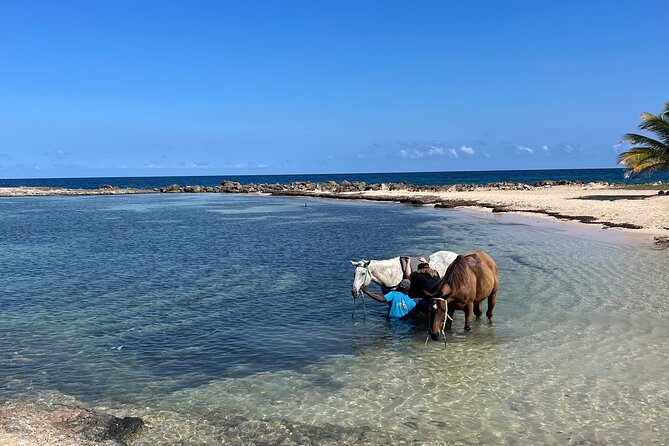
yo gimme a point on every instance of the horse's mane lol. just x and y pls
(456, 274)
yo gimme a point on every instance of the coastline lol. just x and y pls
(639, 210)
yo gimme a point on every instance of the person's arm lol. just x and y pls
(407, 268)
(376, 297)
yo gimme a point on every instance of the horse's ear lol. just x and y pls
(365, 263)
(353, 262)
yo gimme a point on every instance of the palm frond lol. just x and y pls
(636, 139)
(648, 154)
(655, 124)
(635, 156)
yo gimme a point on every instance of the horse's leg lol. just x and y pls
(478, 309)
(469, 311)
(492, 299)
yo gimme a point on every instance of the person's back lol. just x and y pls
(423, 279)
(400, 304)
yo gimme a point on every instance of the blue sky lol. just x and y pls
(129, 88)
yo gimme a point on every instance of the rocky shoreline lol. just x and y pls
(35, 424)
(548, 198)
(296, 188)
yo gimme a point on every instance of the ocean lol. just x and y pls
(418, 178)
(228, 319)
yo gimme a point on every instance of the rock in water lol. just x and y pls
(29, 424)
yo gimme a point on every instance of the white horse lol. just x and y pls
(388, 273)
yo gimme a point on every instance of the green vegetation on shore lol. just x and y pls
(648, 154)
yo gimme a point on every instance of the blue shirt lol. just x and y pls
(400, 304)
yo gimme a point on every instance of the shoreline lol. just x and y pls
(639, 209)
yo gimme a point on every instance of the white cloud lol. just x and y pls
(261, 166)
(523, 149)
(545, 148)
(620, 147)
(568, 148)
(434, 150)
(421, 153)
(467, 150)
(413, 154)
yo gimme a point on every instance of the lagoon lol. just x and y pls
(228, 318)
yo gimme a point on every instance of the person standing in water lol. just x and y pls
(425, 278)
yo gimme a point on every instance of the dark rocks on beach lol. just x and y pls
(230, 186)
(329, 186)
(662, 241)
(106, 187)
(348, 186)
(545, 183)
(36, 424)
(302, 186)
(193, 189)
(507, 185)
(172, 188)
(420, 201)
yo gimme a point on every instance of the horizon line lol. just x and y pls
(315, 174)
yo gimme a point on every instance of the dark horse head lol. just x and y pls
(438, 316)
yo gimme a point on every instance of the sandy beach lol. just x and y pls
(643, 208)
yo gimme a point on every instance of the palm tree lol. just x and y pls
(648, 154)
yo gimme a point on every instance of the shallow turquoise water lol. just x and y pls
(222, 318)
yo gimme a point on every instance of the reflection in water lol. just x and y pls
(228, 319)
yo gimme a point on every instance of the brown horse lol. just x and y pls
(469, 280)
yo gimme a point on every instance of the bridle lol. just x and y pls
(362, 295)
(443, 325)
(364, 279)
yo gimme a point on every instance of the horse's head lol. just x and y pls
(361, 277)
(438, 315)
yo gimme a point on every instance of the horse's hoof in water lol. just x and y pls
(434, 337)
(468, 328)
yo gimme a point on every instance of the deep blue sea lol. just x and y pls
(418, 178)
(228, 320)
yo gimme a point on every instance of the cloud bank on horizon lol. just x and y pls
(96, 89)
